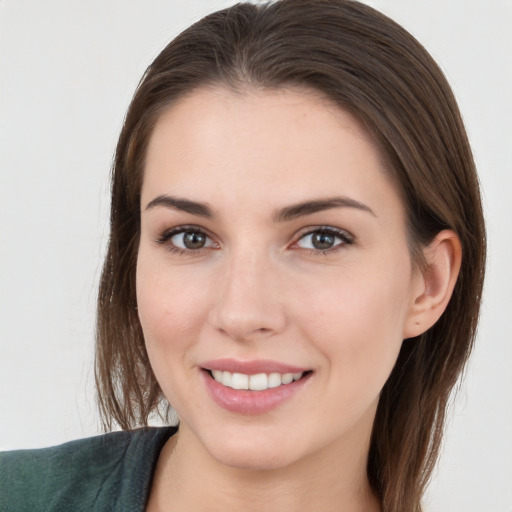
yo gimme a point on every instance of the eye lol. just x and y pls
(185, 239)
(325, 239)
(190, 240)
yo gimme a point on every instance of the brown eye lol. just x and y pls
(325, 239)
(322, 241)
(186, 239)
(193, 239)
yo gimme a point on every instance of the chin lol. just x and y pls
(254, 460)
(250, 453)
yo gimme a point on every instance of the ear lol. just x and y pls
(434, 283)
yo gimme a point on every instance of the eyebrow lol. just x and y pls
(184, 205)
(282, 215)
(309, 207)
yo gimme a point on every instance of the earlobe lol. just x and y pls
(434, 283)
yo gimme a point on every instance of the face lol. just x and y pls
(273, 256)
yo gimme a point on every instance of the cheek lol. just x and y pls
(357, 322)
(170, 307)
(169, 311)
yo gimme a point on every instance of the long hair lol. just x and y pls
(368, 65)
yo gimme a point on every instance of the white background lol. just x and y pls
(68, 69)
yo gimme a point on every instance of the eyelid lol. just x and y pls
(346, 237)
(165, 237)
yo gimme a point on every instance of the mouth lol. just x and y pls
(253, 387)
(257, 381)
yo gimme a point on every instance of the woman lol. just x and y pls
(296, 232)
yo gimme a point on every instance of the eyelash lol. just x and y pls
(166, 236)
(345, 237)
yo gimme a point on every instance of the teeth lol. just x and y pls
(256, 382)
(274, 380)
(226, 379)
(287, 378)
(239, 381)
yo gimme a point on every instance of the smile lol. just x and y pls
(256, 382)
(253, 387)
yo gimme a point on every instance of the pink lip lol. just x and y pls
(248, 402)
(251, 367)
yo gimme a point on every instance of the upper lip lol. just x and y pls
(251, 367)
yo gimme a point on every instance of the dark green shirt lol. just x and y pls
(110, 473)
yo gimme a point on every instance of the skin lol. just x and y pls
(259, 289)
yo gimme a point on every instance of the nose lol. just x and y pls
(249, 303)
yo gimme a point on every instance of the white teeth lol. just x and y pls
(226, 379)
(274, 380)
(239, 381)
(287, 378)
(256, 382)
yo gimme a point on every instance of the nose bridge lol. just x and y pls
(248, 302)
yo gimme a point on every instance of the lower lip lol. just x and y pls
(243, 401)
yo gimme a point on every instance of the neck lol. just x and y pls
(188, 479)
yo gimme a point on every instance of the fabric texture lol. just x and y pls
(112, 472)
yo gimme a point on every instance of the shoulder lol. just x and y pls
(89, 474)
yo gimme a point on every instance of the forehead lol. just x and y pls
(222, 118)
(286, 144)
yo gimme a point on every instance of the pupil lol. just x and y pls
(193, 240)
(322, 241)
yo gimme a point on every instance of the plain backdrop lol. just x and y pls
(68, 69)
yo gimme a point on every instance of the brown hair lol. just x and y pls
(373, 68)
